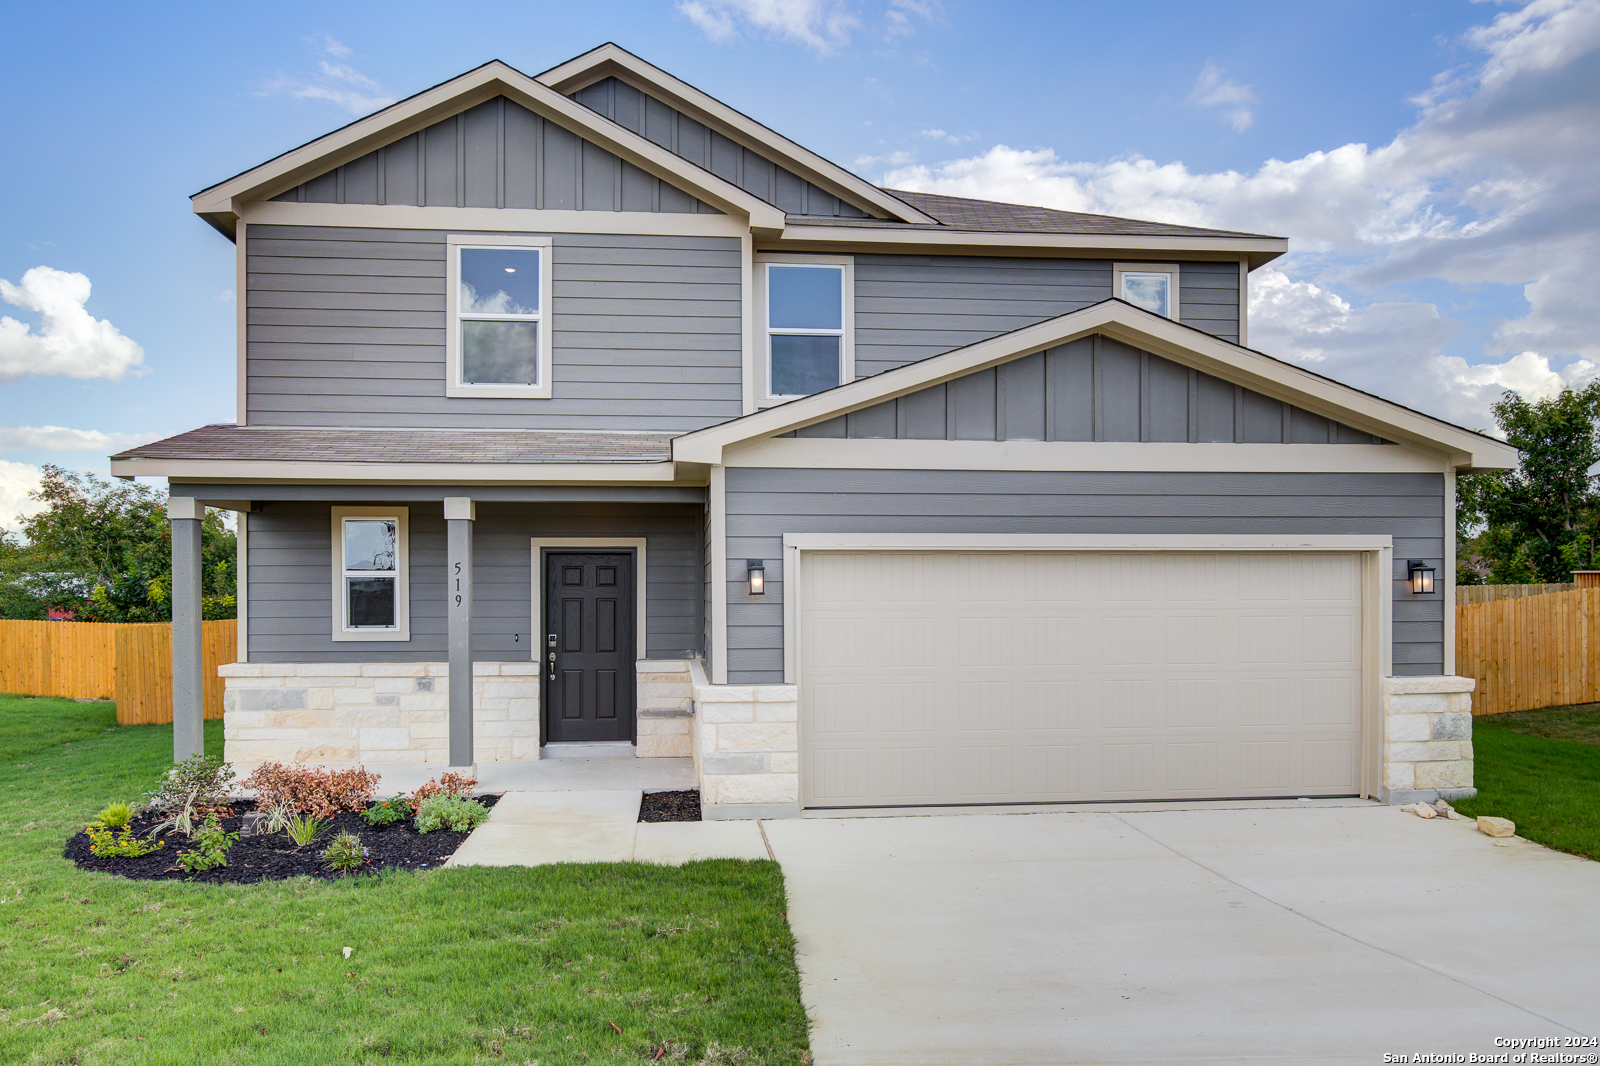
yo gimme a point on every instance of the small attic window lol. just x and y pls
(1152, 286)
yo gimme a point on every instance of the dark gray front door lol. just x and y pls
(589, 684)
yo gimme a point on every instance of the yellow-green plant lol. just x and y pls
(107, 843)
(304, 829)
(114, 816)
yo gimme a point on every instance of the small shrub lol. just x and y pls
(211, 847)
(304, 829)
(181, 818)
(275, 817)
(198, 780)
(445, 785)
(388, 812)
(114, 816)
(455, 813)
(316, 791)
(344, 853)
(107, 843)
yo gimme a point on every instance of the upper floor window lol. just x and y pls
(499, 316)
(371, 595)
(806, 310)
(1152, 286)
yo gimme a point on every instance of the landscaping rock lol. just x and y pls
(1448, 811)
(1497, 827)
(1421, 810)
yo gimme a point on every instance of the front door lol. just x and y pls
(588, 646)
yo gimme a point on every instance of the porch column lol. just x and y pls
(188, 729)
(459, 514)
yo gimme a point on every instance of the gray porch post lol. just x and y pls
(459, 513)
(188, 730)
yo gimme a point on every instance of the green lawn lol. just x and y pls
(450, 966)
(34, 723)
(1541, 769)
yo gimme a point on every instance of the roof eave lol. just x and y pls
(1256, 251)
(243, 471)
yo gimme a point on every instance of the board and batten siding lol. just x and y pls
(765, 503)
(291, 580)
(910, 307)
(346, 327)
(706, 148)
(1092, 389)
(497, 154)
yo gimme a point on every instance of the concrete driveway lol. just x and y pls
(1316, 932)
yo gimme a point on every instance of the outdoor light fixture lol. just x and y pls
(1420, 575)
(758, 576)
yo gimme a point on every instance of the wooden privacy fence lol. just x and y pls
(1529, 652)
(128, 662)
(1484, 593)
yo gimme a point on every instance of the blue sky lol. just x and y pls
(1431, 162)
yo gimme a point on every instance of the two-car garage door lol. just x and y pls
(1028, 677)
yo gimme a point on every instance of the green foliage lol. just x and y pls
(344, 853)
(1549, 787)
(104, 552)
(455, 813)
(103, 840)
(211, 847)
(1541, 521)
(35, 723)
(114, 816)
(199, 779)
(304, 829)
(387, 812)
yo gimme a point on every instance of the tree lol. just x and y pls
(104, 552)
(1541, 521)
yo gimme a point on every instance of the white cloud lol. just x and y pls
(69, 340)
(893, 159)
(952, 138)
(1493, 183)
(1212, 89)
(338, 83)
(62, 439)
(824, 26)
(16, 481)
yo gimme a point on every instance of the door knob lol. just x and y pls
(552, 666)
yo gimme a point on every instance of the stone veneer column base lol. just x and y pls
(350, 713)
(1427, 739)
(746, 749)
(665, 705)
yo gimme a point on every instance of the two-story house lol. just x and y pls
(582, 409)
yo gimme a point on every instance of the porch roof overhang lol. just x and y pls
(1462, 449)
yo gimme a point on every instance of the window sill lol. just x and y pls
(499, 392)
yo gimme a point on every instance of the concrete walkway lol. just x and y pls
(597, 825)
(1320, 933)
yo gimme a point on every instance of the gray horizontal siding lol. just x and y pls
(910, 307)
(710, 150)
(1093, 389)
(497, 154)
(764, 504)
(290, 579)
(346, 327)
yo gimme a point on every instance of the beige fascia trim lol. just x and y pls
(1448, 584)
(457, 95)
(1104, 542)
(883, 454)
(634, 544)
(241, 589)
(611, 61)
(493, 219)
(241, 319)
(717, 500)
(236, 470)
(1256, 250)
(1152, 333)
(1244, 303)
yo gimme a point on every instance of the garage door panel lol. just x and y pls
(1078, 677)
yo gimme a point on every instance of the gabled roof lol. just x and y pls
(1461, 448)
(614, 61)
(992, 216)
(219, 203)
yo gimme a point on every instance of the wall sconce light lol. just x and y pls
(1421, 575)
(757, 572)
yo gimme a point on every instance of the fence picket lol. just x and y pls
(1528, 652)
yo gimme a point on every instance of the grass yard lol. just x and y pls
(450, 966)
(33, 723)
(1541, 769)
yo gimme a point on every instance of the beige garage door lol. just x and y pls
(1027, 677)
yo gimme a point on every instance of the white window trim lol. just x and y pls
(1170, 269)
(453, 384)
(763, 353)
(402, 575)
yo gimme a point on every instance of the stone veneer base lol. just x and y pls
(1427, 739)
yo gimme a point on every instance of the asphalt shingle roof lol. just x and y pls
(311, 445)
(991, 216)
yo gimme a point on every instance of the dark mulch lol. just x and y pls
(273, 856)
(681, 806)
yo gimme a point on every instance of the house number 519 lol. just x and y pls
(458, 584)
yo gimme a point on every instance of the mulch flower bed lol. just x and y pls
(273, 856)
(682, 806)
